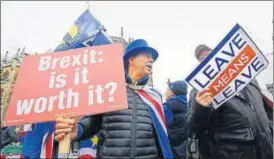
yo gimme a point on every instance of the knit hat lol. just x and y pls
(200, 48)
(178, 87)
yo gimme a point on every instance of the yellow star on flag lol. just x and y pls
(94, 140)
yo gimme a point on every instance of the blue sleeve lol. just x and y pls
(168, 114)
(34, 139)
(11, 130)
(79, 132)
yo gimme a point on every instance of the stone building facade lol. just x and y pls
(9, 71)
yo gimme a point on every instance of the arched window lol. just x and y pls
(15, 76)
(8, 98)
(2, 94)
(5, 76)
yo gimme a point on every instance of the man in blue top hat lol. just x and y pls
(131, 133)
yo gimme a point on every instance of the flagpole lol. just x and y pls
(64, 147)
(64, 144)
(88, 5)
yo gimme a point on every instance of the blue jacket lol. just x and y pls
(34, 139)
(176, 111)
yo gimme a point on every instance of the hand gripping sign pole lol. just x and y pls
(64, 144)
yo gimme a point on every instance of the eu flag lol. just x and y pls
(85, 31)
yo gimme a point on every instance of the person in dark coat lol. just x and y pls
(176, 111)
(8, 135)
(239, 128)
(5, 140)
(128, 133)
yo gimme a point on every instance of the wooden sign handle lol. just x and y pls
(64, 147)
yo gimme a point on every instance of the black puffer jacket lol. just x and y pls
(239, 129)
(124, 134)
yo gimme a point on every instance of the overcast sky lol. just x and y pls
(173, 28)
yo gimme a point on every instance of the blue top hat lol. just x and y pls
(137, 46)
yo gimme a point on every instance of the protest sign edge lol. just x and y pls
(213, 52)
(255, 45)
(15, 123)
